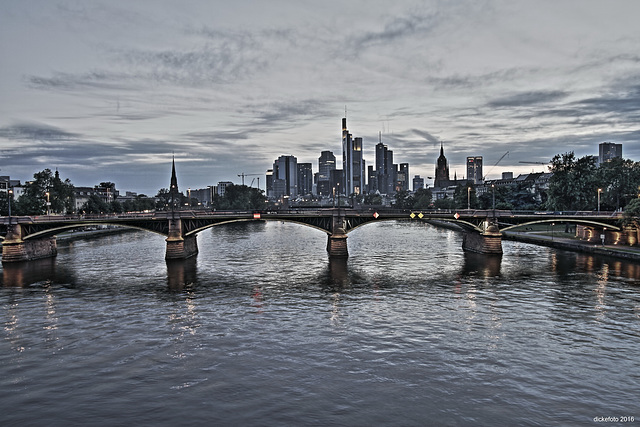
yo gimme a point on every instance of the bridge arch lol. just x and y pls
(201, 228)
(54, 231)
(565, 220)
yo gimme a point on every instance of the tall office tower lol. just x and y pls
(305, 179)
(358, 167)
(381, 159)
(418, 183)
(474, 169)
(402, 180)
(608, 151)
(442, 170)
(285, 169)
(372, 179)
(326, 163)
(352, 161)
(390, 171)
(336, 181)
(269, 184)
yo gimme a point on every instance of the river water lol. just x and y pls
(261, 329)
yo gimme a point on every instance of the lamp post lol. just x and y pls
(493, 188)
(10, 196)
(48, 204)
(599, 191)
(468, 198)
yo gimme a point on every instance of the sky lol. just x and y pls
(113, 90)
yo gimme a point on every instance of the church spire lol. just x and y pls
(174, 179)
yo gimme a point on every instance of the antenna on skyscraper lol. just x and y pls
(380, 136)
(345, 111)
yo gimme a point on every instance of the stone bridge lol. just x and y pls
(27, 238)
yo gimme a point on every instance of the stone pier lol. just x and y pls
(487, 242)
(15, 249)
(337, 240)
(179, 246)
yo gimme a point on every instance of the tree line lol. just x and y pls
(576, 184)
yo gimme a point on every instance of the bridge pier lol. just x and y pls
(487, 242)
(15, 249)
(179, 246)
(337, 240)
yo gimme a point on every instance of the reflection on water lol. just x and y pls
(181, 273)
(261, 328)
(23, 274)
(481, 265)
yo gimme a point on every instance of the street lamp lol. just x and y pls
(48, 204)
(469, 198)
(10, 196)
(493, 188)
(599, 191)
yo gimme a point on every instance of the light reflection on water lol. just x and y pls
(262, 329)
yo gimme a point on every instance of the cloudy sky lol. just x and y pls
(109, 90)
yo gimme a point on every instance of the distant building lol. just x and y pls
(269, 182)
(221, 188)
(402, 177)
(337, 182)
(474, 169)
(372, 179)
(441, 179)
(6, 184)
(326, 163)
(105, 191)
(608, 151)
(285, 168)
(305, 179)
(352, 161)
(203, 195)
(507, 175)
(418, 183)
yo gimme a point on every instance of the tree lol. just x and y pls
(573, 185)
(403, 200)
(95, 205)
(632, 213)
(422, 198)
(465, 195)
(33, 200)
(619, 179)
(240, 197)
(372, 199)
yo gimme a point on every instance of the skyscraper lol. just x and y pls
(305, 179)
(352, 161)
(474, 169)
(326, 163)
(608, 151)
(418, 183)
(285, 177)
(402, 179)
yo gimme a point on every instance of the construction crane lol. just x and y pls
(536, 163)
(250, 185)
(248, 174)
(484, 178)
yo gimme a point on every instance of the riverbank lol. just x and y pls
(617, 251)
(555, 241)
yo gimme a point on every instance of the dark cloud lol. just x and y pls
(396, 28)
(35, 131)
(524, 99)
(426, 135)
(60, 81)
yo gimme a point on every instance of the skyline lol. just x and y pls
(108, 91)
